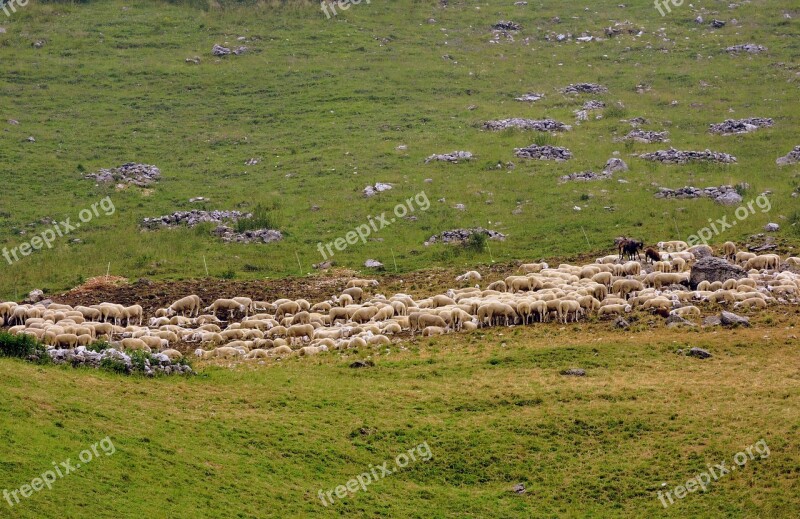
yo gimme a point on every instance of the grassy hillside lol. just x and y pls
(492, 408)
(324, 103)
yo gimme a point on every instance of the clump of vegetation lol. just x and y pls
(476, 242)
(21, 346)
(262, 219)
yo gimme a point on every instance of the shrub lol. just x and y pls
(113, 365)
(476, 242)
(20, 346)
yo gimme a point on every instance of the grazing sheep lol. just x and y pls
(257, 354)
(281, 350)
(729, 250)
(173, 355)
(678, 264)
(686, 311)
(473, 276)
(499, 285)
(673, 246)
(356, 293)
(190, 304)
(362, 283)
(613, 310)
(430, 331)
(743, 257)
(793, 261)
(751, 302)
(531, 268)
(228, 305)
(135, 344)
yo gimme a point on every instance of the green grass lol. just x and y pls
(261, 441)
(324, 104)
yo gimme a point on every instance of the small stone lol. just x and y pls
(772, 227)
(699, 353)
(574, 372)
(362, 364)
(373, 264)
(519, 488)
(731, 319)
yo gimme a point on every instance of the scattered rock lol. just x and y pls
(574, 372)
(252, 162)
(729, 198)
(379, 187)
(772, 227)
(793, 157)
(731, 319)
(545, 152)
(717, 24)
(219, 50)
(747, 47)
(584, 176)
(712, 320)
(676, 320)
(323, 265)
(193, 218)
(673, 156)
(519, 488)
(228, 234)
(141, 175)
(645, 136)
(31, 139)
(153, 363)
(194, 61)
(38, 44)
(450, 157)
(505, 25)
(373, 264)
(622, 323)
(594, 104)
(699, 353)
(13, 122)
(462, 235)
(584, 88)
(241, 50)
(544, 125)
(198, 199)
(713, 269)
(530, 97)
(362, 364)
(739, 126)
(614, 164)
(35, 296)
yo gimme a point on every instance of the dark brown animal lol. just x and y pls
(651, 254)
(630, 248)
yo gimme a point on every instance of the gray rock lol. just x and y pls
(731, 319)
(622, 323)
(712, 320)
(584, 88)
(505, 25)
(462, 235)
(714, 269)
(36, 295)
(729, 198)
(739, 126)
(373, 264)
(793, 157)
(574, 372)
(543, 125)
(530, 97)
(646, 137)
(453, 157)
(752, 48)
(228, 234)
(362, 364)
(193, 218)
(614, 164)
(699, 353)
(219, 50)
(379, 187)
(141, 175)
(772, 227)
(323, 265)
(545, 152)
(519, 488)
(673, 156)
(675, 319)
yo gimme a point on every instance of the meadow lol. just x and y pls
(325, 103)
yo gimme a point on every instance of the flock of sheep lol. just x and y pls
(356, 318)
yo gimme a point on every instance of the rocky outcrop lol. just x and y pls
(530, 97)
(141, 175)
(739, 126)
(725, 195)
(544, 125)
(645, 136)
(153, 364)
(193, 218)
(713, 269)
(584, 88)
(453, 157)
(673, 156)
(379, 187)
(752, 48)
(462, 235)
(793, 157)
(545, 152)
(228, 234)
